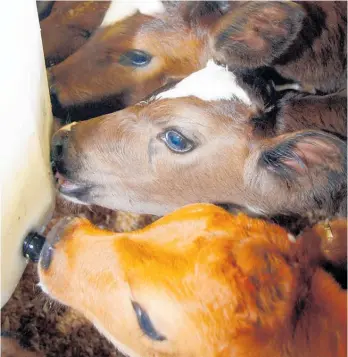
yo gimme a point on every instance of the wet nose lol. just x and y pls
(59, 147)
(57, 109)
(50, 62)
(51, 82)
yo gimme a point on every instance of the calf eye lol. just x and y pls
(145, 323)
(135, 58)
(176, 141)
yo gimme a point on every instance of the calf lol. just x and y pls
(304, 41)
(134, 53)
(69, 26)
(139, 47)
(200, 282)
(216, 136)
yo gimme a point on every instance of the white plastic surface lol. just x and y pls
(26, 121)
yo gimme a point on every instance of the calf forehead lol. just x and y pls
(212, 83)
(119, 10)
(210, 119)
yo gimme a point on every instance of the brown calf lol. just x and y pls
(138, 48)
(131, 56)
(216, 136)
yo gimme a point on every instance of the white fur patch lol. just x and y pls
(121, 9)
(213, 82)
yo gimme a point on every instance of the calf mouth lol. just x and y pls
(72, 190)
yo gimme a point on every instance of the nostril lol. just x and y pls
(53, 165)
(56, 151)
(54, 95)
(59, 141)
(58, 148)
(50, 62)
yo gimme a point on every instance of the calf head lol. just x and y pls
(203, 140)
(199, 282)
(139, 47)
(69, 26)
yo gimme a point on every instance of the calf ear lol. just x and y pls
(304, 154)
(204, 13)
(256, 33)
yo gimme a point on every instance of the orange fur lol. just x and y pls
(213, 284)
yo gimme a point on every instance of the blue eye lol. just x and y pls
(176, 141)
(135, 58)
(145, 323)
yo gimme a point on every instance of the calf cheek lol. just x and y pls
(212, 176)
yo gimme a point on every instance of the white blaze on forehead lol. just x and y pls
(213, 82)
(121, 9)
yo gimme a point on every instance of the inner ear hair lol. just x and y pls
(256, 33)
(298, 154)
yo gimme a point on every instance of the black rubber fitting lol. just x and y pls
(32, 246)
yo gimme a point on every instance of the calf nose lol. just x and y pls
(59, 145)
(50, 62)
(51, 81)
(57, 108)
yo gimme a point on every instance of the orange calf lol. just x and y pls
(200, 282)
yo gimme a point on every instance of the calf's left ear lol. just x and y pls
(256, 33)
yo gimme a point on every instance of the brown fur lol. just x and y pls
(69, 26)
(309, 39)
(304, 41)
(120, 162)
(94, 72)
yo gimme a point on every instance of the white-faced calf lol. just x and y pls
(216, 136)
